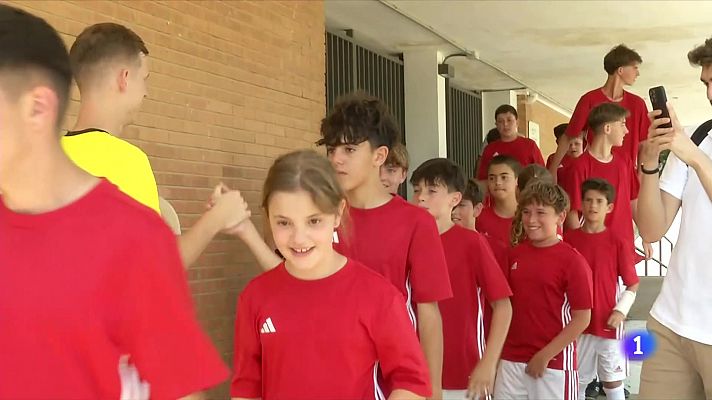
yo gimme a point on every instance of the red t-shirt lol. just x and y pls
(325, 338)
(522, 149)
(476, 280)
(618, 172)
(492, 225)
(609, 257)
(547, 284)
(562, 167)
(82, 286)
(637, 122)
(500, 250)
(401, 242)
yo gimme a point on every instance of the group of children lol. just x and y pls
(492, 318)
(365, 295)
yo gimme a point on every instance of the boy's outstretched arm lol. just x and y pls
(265, 256)
(430, 329)
(482, 378)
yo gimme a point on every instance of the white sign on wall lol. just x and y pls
(534, 132)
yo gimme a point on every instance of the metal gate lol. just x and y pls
(351, 67)
(464, 128)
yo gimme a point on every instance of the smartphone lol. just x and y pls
(659, 100)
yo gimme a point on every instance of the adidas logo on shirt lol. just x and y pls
(268, 327)
(514, 266)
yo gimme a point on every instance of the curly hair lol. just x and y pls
(357, 118)
(542, 193)
(701, 56)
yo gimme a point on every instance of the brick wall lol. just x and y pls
(233, 84)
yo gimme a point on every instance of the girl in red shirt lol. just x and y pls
(319, 325)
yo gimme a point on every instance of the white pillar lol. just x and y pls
(425, 113)
(490, 102)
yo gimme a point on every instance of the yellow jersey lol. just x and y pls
(123, 164)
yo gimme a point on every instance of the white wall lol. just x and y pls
(490, 102)
(425, 113)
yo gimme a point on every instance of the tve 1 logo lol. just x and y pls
(639, 345)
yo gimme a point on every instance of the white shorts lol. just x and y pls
(454, 394)
(460, 395)
(605, 357)
(513, 383)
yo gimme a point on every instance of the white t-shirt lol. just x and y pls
(684, 304)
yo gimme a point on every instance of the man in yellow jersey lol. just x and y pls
(110, 65)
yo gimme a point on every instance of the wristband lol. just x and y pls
(649, 171)
(625, 302)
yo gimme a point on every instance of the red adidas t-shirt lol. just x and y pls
(522, 149)
(637, 122)
(618, 172)
(325, 338)
(547, 284)
(401, 242)
(82, 286)
(492, 225)
(609, 257)
(500, 250)
(476, 279)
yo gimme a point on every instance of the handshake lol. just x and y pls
(228, 210)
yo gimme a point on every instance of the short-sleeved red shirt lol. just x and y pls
(476, 279)
(86, 284)
(325, 338)
(401, 242)
(522, 149)
(609, 257)
(547, 283)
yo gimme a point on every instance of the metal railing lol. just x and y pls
(658, 260)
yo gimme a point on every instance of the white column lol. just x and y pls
(425, 113)
(490, 102)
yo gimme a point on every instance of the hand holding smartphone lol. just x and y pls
(659, 100)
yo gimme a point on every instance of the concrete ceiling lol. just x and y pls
(554, 48)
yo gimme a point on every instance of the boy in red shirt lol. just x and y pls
(599, 348)
(608, 123)
(319, 325)
(477, 282)
(384, 232)
(395, 170)
(621, 65)
(466, 213)
(576, 147)
(522, 149)
(470, 207)
(551, 303)
(93, 293)
(495, 221)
